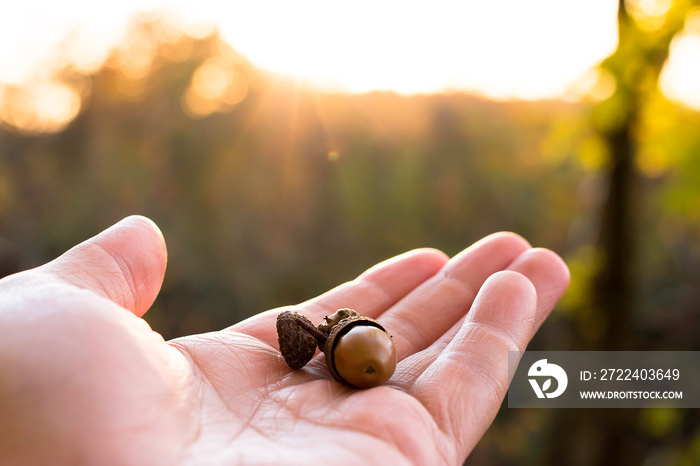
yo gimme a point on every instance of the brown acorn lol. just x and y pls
(359, 352)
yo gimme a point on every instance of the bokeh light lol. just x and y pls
(680, 79)
(649, 14)
(39, 107)
(216, 86)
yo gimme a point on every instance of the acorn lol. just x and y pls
(359, 351)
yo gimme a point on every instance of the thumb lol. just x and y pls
(125, 263)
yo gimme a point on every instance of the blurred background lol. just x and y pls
(285, 147)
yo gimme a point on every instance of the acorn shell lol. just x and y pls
(297, 346)
(340, 329)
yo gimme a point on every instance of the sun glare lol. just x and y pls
(502, 50)
(509, 49)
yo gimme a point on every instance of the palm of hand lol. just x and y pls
(86, 378)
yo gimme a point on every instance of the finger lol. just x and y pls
(548, 273)
(465, 386)
(430, 310)
(370, 294)
(125, 263)
(545, 270)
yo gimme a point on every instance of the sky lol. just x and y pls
(501, 49)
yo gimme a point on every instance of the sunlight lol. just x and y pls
(502, 50)
(510, 49)
(681, 76)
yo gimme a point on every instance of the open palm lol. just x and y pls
(84, 380)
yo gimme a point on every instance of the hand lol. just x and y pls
(84, 380)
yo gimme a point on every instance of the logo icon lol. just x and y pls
(542, 368)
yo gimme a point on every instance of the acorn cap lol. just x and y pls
(340, 329)
(332, 320)
(297, 347)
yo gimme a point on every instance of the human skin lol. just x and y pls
(84, 379)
